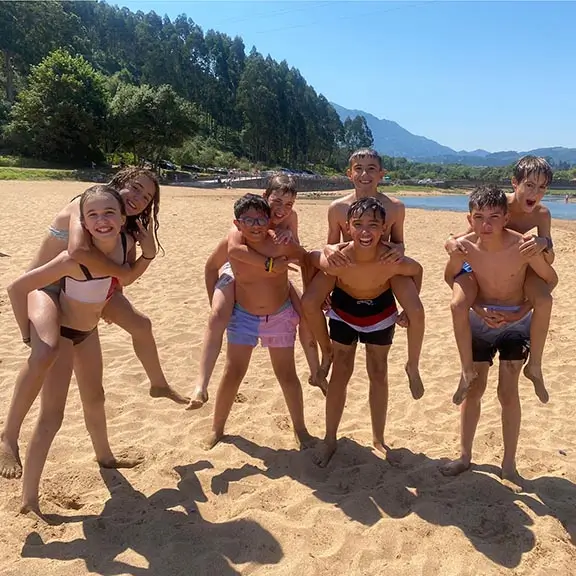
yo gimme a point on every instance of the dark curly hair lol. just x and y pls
(149, 215)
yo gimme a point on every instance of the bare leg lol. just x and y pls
(464, 292)
(283, 364)
(44, 340)
(220, 313)
(511, 415)
(237, 361)
(88, 370)
(469, 417)
(309, 344)
(538, 293)
(312, 301)
(377, 368)
(121, 312)
(336, 399)
(406, 293)
(54, 393)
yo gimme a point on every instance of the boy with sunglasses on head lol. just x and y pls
(262, 310)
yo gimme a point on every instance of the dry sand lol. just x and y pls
(254, 505)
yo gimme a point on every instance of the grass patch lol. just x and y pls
(13, 173)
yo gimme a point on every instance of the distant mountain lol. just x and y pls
(390, 139)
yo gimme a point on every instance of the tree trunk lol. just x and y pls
(9, 73)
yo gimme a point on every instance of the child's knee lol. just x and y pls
(142, 324)
(415, 310)
(49, 424)
(218, 319)
(94, 398)
(543, 299)
(459, 305)
(44, 354)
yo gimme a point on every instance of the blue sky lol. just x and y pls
(492, 75)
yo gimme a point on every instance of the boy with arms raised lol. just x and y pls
(500, 319)
(362, 309)
(530, 181)
(365, 171)
(262, 311)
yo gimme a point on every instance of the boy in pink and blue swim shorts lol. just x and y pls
(276, 330)
(262, 311)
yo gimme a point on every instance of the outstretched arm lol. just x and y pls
(34, 279)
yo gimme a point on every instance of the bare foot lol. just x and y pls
(324, 453)
(305, 440)
(319, 381)
(466, 379)
(32, 507)
(534, 374)
(121, 460)
(168, 392)
(212, 440)
(402, 320)
(393, 457)
(416, 385)
(512, 480)
(455, 467)
(199, 398)
(10, 464)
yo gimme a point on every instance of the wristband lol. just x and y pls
(269, 264)
(146, 258)
(26, 340)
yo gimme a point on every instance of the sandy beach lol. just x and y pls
(254, 505)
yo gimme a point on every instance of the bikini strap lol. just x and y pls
(86, 272)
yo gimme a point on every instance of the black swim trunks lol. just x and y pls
(369, 321)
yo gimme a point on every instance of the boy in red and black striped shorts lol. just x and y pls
(362, 309)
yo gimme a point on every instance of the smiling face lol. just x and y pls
(366, 230)
(253, 224)
(365, 174)
(281, 205)
(102, 216)
(530, 191)
(137, 194)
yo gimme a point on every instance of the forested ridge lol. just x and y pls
(87, 82)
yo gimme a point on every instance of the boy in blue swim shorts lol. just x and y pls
(262, 312)
(500, 320)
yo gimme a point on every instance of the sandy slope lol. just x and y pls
(254, 505)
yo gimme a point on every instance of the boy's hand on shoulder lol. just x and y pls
(455, 246)
(333, 257)
(283, 236)
(281, 264)
(394, 254)
(532, 245)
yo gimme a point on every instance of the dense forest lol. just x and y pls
(86, 82)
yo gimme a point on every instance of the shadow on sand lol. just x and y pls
(366, 488)
(173, 542)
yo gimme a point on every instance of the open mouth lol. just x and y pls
(530, 203)
(365, 242)
(104, 229)
(278, 215)
(131, 205)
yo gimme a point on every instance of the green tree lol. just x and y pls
(61, 115)
(148, 120)
(356, 134)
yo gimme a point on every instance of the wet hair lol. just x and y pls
(149, 215)
(360, 207)
(248, 201)
(365, 153)
(281, 183)
(488, 197)
(100, 190)
(528, 165)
